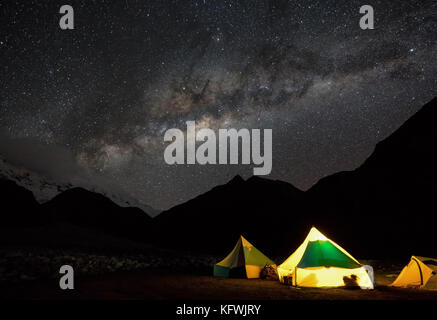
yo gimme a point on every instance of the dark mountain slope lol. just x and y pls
(389, 202)
(385, 208)
(77, 219)
(18, 206)
(257, 208)
(91, 210)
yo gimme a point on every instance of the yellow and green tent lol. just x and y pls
(320, 262)
(243, 261)
(419, 273)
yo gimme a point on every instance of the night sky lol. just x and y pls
(91, 105)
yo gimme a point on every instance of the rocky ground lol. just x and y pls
(33, 273)
(17, 264)
(34, 264)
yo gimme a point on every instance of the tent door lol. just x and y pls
(420, 271)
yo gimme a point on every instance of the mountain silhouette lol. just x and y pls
(18, 205)
(83, 208)
(389, 200)
(384, 208)
(257, 208)
(74, 218)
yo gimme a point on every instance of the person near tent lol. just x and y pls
(320, 262)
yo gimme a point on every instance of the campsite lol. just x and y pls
(234, 151)
(181, 283)
(330, 242)
(175, 275)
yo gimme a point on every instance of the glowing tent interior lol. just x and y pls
(320, 262)
(419, 273)
(243, 261)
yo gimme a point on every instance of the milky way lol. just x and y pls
(106, 91)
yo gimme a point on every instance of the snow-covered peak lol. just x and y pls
(45, 189)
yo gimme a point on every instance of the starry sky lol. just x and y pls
(95, 102)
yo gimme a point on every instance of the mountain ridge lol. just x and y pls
(393, 184)
(386, 203)
(45, 189)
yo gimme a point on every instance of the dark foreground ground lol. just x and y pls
(33, 273)
(163, 285)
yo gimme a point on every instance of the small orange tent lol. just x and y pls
(419, 273)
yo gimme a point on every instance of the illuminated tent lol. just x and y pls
(244, 261)
(419, 273)
(320, 262)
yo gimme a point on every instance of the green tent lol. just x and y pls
(324, 254)
(320, 262)
(244, 261)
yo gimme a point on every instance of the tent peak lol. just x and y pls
(244, 242)
(244, 260)
(315, 234)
